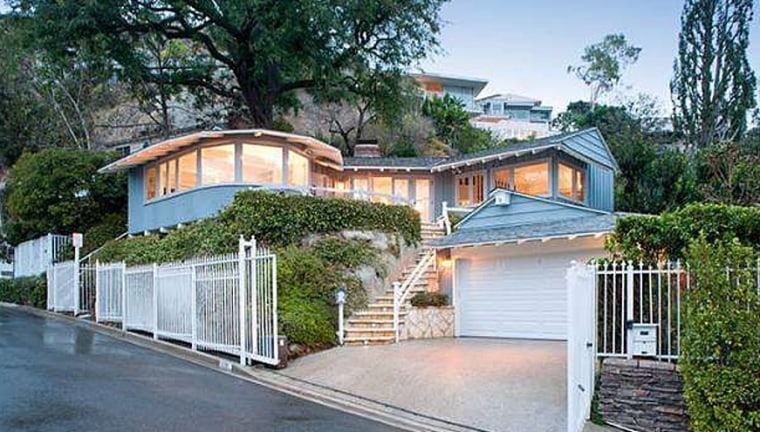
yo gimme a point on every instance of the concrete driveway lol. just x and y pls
(490, 384)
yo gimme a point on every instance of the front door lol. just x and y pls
(422, 201)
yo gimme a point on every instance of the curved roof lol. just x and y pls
(319, 150)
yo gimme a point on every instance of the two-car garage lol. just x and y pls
(517, 290)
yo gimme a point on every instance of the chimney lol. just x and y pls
(367, 148)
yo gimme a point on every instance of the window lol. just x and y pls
(401, 189)
(501, 179)
(151, 182)
(167, 172)
(470, 190)
(218, 164)
(262, 164)
(571, 182)
(187, 177)
(381, 187)
(298, 169)
(532, 179)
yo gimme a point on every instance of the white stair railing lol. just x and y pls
(401, 290)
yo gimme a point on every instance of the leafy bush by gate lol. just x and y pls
(657, 238)
(30, 291)
(721, 340)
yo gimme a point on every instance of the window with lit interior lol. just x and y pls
(262, 164)
(532, 179)
(571, 182)
(218, 164)
(298, 169)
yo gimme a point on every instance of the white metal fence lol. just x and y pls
(225, 303)
(580, 344)
(33, 257)
(632, 295)
(70, 288)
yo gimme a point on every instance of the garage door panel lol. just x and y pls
(516, 296)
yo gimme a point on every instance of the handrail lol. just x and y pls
(445, 217)
(361, 194)
(401, 291)
(89, 255)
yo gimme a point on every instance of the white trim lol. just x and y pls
(543, 239)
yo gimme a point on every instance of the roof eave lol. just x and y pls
(572, 236)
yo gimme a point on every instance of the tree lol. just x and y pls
(730, 173)
(452, 125)
(603, 64)
(59, 190)
(253, 53)
(713, 85)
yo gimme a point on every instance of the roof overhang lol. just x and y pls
(543, 239)
(493, 157)
(385, 168)
(321, 152)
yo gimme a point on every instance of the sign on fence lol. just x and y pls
(224, 303)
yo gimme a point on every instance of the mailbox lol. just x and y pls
(645, 340)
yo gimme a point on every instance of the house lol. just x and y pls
(466, 89)
(511, 116)
(528, 208)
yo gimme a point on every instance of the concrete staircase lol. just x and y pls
(374, 325)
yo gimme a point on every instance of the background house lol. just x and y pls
(511, 116)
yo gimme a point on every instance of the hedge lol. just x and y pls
(31, 291)
(721, 339)
(275, 220)
(654, 238)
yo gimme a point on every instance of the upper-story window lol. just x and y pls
(470, 189)
(571, 181)
(218, 164)
(516, 113)
(227, 163)
(531, 178)
(262, 164)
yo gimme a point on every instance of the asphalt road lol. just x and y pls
(57, 376)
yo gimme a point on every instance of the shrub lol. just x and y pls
(31, 291)
(279, 219)
(133, 251)
(429, 299)
(721, 340)
(112, 226)
(654, 238)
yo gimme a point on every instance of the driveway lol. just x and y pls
(490, 384)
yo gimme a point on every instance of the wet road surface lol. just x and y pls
(56, 376)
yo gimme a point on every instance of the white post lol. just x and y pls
(155, 301)
(341, 332)
(629, 310)
(124, 296)
(97, 289)
(241, 296)
(193, 310)
(396, 307)
(274, 309)
(77, 241)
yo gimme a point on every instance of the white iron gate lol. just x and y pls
(62, 293)
(225, 303)
(581, 353)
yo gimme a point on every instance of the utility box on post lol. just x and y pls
(644, 340)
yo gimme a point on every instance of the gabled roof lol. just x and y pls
(574, 143)
(569, 228)
(319, 149)
(521, 217)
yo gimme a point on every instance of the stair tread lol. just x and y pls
(367, 338)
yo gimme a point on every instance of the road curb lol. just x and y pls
(332, 398)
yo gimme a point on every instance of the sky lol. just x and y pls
(524, 47)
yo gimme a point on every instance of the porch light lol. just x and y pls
(340, 300)
(446, 263)
(340, 295)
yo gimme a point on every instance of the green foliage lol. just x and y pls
(452, 125)
(603, 64)
(730, 172)
(429, 299)
(247, 52)
(60, 191)
(133, 251)
(111, 227)
(721, 339)
(654, 238)
(285, 219)
(713, 83)
(31, 291)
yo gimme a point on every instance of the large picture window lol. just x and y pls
(571, 182)
(187, 177)
(262, 164)
(218, 164)
(298, 169)
(532, 179)
(151, 182)
(382, 189)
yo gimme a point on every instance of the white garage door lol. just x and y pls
(515, 296)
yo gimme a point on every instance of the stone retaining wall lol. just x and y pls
(642, 395)
(428, 323)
